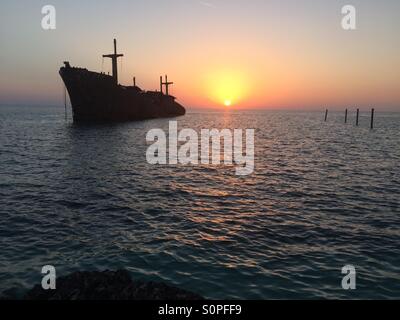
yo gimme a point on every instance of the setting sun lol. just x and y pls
(225, 87)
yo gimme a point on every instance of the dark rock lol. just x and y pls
(108, 285)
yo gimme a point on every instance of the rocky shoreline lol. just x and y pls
(108, 285)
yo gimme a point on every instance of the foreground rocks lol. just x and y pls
(108, 285)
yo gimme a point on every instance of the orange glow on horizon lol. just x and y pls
(251, 77)
(226, 87)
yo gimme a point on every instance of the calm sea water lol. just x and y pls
(323, 195)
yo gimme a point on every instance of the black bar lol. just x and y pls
(199, 310)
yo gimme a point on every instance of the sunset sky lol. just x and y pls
(248, 53)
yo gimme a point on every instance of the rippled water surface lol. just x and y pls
(323, 195)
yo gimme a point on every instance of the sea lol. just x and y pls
(323, 195)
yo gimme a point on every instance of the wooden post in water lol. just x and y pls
(345, 116)
(358, 117)
(372, 117)
(326, 115)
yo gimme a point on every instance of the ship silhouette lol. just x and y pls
(99, 97)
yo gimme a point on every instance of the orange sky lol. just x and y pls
(254, 54)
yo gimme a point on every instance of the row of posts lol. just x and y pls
(357, 117)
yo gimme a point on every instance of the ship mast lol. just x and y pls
(114, 59)
(166, 83)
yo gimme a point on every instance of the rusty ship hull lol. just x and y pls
(98, 97)
(95, 97)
